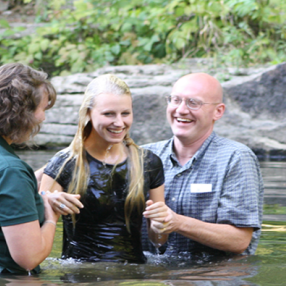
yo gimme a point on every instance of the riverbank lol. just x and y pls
(254, 98)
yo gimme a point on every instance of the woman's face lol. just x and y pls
(111, 117)
(40, 111)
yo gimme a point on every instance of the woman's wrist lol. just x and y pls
(51, 221)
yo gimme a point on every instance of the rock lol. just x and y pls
(255, 113)
(255, 103)
(149, 105)
(3, 6)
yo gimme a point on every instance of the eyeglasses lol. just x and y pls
(192, 103)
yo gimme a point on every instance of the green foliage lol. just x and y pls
(274, 209)
(82, 35)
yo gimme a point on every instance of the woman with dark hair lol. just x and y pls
(114, 177)
(27, 221)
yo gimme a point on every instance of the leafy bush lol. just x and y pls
(82, 35)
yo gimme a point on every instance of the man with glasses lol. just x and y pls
(213, 185)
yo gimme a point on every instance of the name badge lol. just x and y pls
(201, 188)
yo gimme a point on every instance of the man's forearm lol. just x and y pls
(219, 236)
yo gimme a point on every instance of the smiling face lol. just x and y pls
(111, 118)
(191, 126)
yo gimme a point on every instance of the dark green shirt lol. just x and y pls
(19, 201)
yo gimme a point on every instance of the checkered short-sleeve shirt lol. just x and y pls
(222, 184)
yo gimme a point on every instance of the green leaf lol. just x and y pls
(179, 43)
(4, 24)
(44, 44)
(73, 55)
(33, 48)
(127, 26)
(148, 46)
(125, 43)
(155, 38)
(115, 49)
(179, 11)
(38, 56)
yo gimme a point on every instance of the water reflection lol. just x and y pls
(230, 272)
(267, 267)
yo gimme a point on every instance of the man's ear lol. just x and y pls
(219, 111)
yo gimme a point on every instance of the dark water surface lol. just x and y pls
(267, 267)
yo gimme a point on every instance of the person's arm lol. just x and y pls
(28, 243)
(239, 209)
(39, 175)
(219, 236)
(156, 212)
(61, 202)
(239, 204)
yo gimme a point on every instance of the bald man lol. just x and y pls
(213, 186)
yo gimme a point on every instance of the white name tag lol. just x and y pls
(201, 188)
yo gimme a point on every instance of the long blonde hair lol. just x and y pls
(111, 84)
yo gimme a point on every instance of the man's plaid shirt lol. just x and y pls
(221, 184)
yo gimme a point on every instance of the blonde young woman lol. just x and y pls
(113, 177)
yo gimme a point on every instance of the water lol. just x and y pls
(267, 267)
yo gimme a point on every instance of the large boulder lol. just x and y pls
(256, 106)
(254, 98)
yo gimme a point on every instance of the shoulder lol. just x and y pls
(13, 162)
(57, 161)
(149, 154)
(151, 159)
(17, 178)
(227, 146)
(226, 152)
(62, 154)
(153, 169)
(60, 157)
(160, 147)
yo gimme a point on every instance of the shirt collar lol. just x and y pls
(204, 146)
(171, 154)
(6, 146)
(196, 156)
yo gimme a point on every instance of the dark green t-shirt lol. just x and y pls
(19, 201)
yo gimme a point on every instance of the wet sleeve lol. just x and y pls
(53, 167)
(154, 168)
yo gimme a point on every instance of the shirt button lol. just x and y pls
(179, 175)
(173, 199)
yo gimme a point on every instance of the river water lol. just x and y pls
(266, 267)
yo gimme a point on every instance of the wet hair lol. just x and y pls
(20, 95)
(110, 84)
